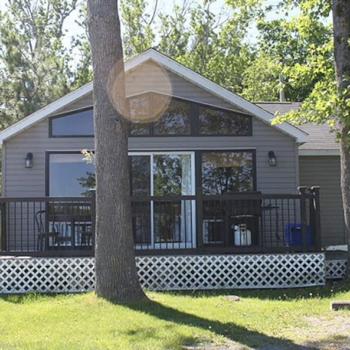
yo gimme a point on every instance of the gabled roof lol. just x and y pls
(320, 140)
(173, 66)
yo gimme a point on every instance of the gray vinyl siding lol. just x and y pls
(147, 78)
(31, 182)
(20, 181)
(325, 172)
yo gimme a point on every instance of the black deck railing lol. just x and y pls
(46, 225)
(237, 223)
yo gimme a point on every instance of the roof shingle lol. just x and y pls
(320, 137)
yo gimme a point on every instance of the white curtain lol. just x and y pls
(186, 205)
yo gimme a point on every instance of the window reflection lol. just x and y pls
(79, 123)
(175, 121)
(140, 175)
(70, 175)
(221, 122)
(172, 174)
(225, 172)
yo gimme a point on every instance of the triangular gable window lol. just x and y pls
(158, 115)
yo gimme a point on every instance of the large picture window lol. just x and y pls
(69, 175)
(228, 172)
(75, 124)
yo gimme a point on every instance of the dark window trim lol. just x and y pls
(47, 167)
(194, 120)
(62, 115)
(240, 150)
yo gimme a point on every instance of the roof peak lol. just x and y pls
(186, 73)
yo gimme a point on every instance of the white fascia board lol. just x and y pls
(178, 69)
(44, 112)
(318, 152)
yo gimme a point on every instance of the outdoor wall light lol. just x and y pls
(272, 158)
(29, 160)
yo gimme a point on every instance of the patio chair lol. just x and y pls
(56, 235)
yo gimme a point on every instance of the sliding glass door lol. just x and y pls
(163, 199)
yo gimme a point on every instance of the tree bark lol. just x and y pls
(341, 25)
(116, 275)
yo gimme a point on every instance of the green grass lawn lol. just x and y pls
(283, 319)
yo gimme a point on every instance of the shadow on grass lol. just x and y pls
(229, 330)
(327, 291)
(31, 297)
(138, 335)
(337, 342)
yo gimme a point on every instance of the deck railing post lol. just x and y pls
(3, 234)
(316, 220)
(93, 220)
(199, 222)
(303, 191)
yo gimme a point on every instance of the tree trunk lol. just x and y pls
(116, 275)
(341, 25)
(345, 185)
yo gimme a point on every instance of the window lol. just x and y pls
(167, 216)
(227, 172)
(140, 175)
(75, 124)
(140, 108)
(140, 129)
(69, 175)
(172, 174)
(175, 121)
(182, 118)
(223, 122)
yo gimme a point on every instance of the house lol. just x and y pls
(214, 186)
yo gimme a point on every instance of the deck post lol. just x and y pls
(3, 233)
(315, 205)
(302, 191)
(93, 220)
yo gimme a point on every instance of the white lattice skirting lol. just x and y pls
(335, 269)
(181, 272)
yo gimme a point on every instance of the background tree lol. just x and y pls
(80, 50)
(116, 276)
(289, 47)
(138, 34)
(174, 34)
(34, 64)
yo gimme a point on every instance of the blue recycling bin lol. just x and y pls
(293, 235)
